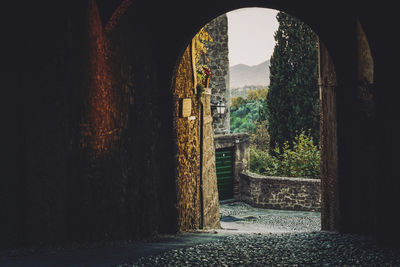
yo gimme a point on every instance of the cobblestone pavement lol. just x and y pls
(239, 217)
(249, 237)
(282, 249)
(258, 237)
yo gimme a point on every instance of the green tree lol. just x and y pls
(237, 101)
(260, 137)
(259, 94)
(244, 117)
(292, 102)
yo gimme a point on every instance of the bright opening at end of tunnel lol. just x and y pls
(243, 133)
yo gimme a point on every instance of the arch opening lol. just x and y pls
(122, 72)
(329, 153)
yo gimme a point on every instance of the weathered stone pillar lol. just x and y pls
(329, 154)
(188, 146)
(217, 58)
(210, 202)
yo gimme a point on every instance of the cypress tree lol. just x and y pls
(292, 103)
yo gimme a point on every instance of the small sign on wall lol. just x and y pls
(185, 107)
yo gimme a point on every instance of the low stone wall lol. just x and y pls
(280, 192)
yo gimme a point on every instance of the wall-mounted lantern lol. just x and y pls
(220, 107)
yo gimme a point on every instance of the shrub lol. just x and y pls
(262, 162)
(300, 160)
(260, 137)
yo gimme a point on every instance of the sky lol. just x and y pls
(251, 35)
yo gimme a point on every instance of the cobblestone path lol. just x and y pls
(258, 237)
(249, 237)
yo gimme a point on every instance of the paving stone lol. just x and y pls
(300, 243)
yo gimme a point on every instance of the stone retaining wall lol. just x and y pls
(280, 192)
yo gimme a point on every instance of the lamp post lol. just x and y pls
(220, 108)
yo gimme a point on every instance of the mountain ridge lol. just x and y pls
(242, 74)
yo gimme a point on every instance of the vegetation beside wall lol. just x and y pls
(301, 159)
(276, 117)
(298, 158)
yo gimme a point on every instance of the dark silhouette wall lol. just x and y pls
(87, 138)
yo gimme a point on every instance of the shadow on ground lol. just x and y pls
(249, 237)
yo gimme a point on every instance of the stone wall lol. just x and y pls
(188, 146)
(210, 210)
(280, 192)
(88, 161)
(240, 143)
(198, 205)
(329, 150)
(217, 54)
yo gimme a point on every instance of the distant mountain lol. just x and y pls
(242, 75)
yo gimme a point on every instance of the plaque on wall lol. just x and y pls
(185, 107)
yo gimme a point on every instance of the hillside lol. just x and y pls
(241, 75)
(242, 91)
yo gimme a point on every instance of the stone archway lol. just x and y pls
(43, 187)
(329, 139)
(336, 35)
(346, 75)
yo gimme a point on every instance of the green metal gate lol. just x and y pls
(224, 164)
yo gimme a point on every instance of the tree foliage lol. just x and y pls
(200, 40)
(292, 102)
(243, 118)
(299, 159)
(203, 72)
(245, 112)
(259, 139)
(259, 94)
(237, 101)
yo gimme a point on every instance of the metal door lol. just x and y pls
(224, 165)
